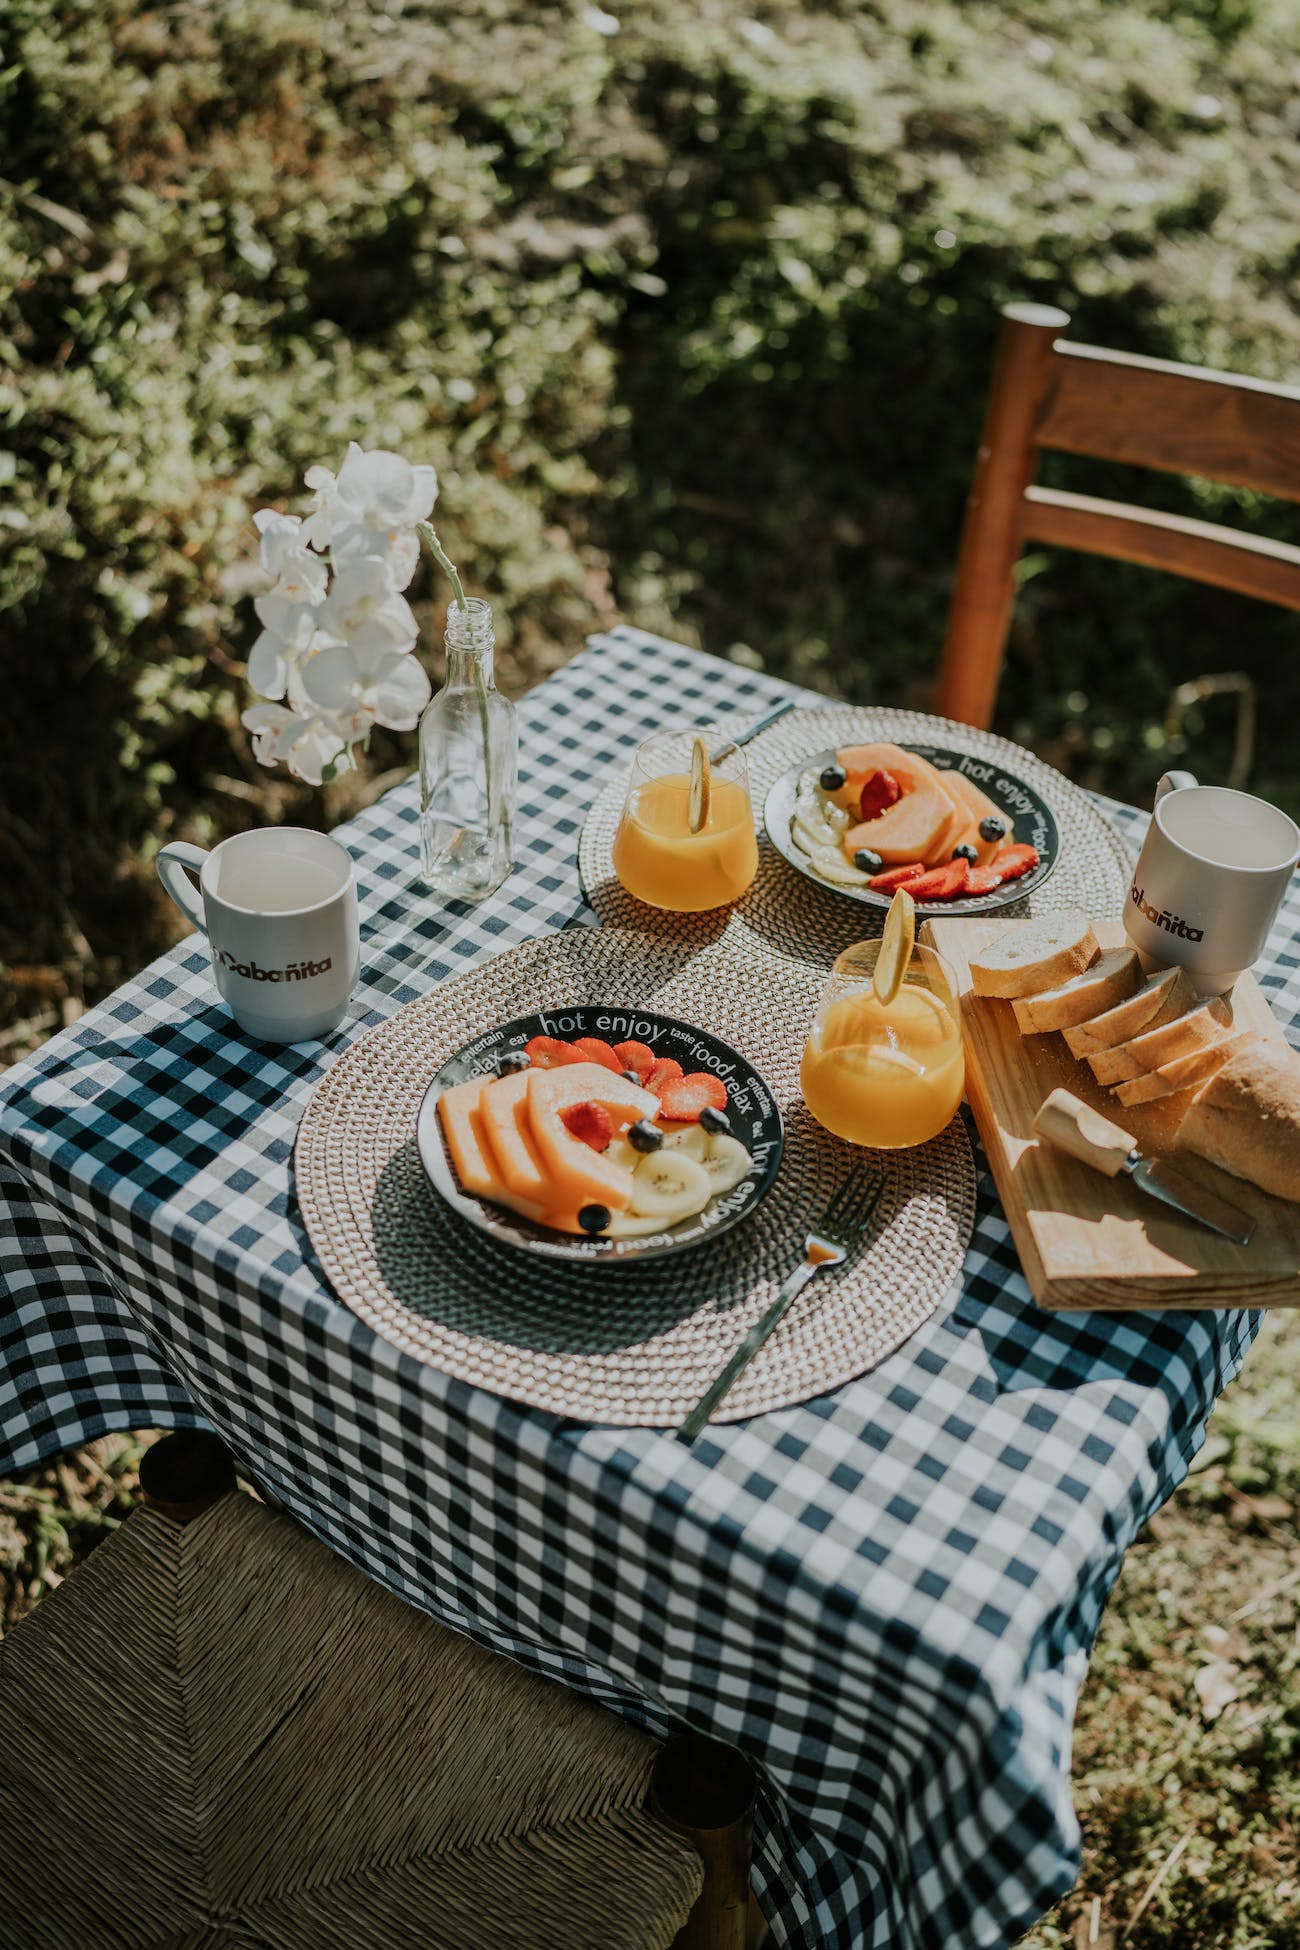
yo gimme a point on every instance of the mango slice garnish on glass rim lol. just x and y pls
(896, 945)
(701, 789)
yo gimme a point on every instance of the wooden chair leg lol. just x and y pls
(704, 1791)
(985, 583)
(185, 1473)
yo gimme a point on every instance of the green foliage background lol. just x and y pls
(690, 302)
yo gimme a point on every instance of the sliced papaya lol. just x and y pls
(908, 830)
(574, 1174)
(503, 1110)
(463, 1136)
(980, 807)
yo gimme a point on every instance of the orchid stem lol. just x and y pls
(444, 561)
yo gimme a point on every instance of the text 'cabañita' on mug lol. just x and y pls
(279, 906)
(1213, 869)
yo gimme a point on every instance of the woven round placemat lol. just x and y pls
(631, 1346)
(790, 915)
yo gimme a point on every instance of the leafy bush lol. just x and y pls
(691, 305)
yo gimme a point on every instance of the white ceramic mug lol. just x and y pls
(1210, 879)
(279, 906)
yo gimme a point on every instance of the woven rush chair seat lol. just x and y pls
(216, 1735)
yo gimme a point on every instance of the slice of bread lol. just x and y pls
(1167, 994)
(1184, 1073)
(1035, 955)
(1207, 1023)
(1247, 1117)
(1113, 976)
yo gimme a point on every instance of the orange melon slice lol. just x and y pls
(911, 829)
(463, 1137)
(574, 1174)
(467, 1145)
(979, 806)
(503, 1111)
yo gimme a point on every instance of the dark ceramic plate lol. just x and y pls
(1024, 804)
(755, 1120)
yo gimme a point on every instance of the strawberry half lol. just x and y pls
(682, 1100)
(880, 790)
(590, 1123)
(943, 884)
(666, 1070)
(635, 1056)
(594, 1049)
(1012, 861)
(895, 877)
(548, 1053)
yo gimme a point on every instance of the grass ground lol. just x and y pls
(1188, 1732)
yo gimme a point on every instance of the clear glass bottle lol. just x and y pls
(469, 766)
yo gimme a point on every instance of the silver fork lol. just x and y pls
(848, 1215)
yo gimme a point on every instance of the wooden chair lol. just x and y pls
(1048, 393)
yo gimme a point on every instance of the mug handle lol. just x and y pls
(175, 862)
(1172, 782)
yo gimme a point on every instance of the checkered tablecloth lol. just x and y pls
(886, 1597)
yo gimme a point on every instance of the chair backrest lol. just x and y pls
(1050, 394)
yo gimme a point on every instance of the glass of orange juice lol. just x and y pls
(686, 838)
(886, 1072)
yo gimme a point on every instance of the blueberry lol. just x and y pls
(594, 1218)
(513, 1061)
(645, 1136)
(866, 861)
(970, 853)
(832, 778)
(631, 1076)
(713, 1120)
(993, 828)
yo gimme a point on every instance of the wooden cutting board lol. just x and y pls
(1088, 1241)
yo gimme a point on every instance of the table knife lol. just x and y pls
(752, 730)
(1065, 1120)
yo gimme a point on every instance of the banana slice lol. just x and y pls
(630, 1225)
(688, 1138)
(830, 863)
(811, 835)
(669, 1185)
(620, 1152)
(726, 1162)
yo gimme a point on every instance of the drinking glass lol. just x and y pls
(657, 857)
(887, 1074)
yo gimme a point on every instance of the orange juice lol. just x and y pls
(884, 1074)
(659, 859)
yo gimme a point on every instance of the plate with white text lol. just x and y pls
(600, 1134)
(944, 803)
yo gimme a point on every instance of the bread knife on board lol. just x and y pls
(1066, 1121)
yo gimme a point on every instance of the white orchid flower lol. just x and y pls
(269, 663)
(364, 610)
(289, 611)
(324, 489)
(283, 548)
(373, 507)
(366, 687)
(309, 744)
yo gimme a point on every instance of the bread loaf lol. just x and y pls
(1184, 1073)
(1247, 1118)
(1207, 1023)
(1035, 955)
(1114, 975)
(1167, 994)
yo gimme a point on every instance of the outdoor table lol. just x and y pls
(885, 1596)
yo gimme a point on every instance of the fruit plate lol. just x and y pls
(751, 1106)
(1033, 820)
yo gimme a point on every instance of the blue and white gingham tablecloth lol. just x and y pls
(886, 1596)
